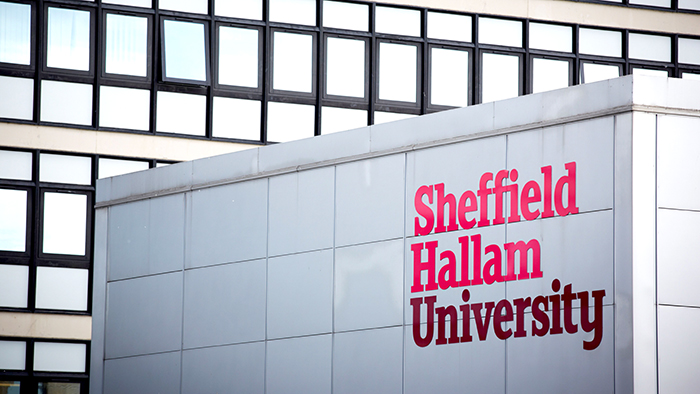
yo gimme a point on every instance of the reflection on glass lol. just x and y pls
(15, 165)
(549, 74)
(14, 288)
(385, 117)
(125, 108)
(449, 77)
(181, 113)
(236, 118)
(185, 57)
(292, 62)
(195, 6)
(692, 76)
(339, 119)
(15, 33)
(550, 37)
(500, 32)
(300, 12)
(245, 9)
(59, 357)
(64, 223)
(126, 45)
(289, 122)
(114, 167)
(61, 288)
(58, 388)
(238, 56)
(65, 169)
(12, 355)
(688, 51)
(16, 98)
(598, 72)
(9, 387)
(600, 42)
(345, 67)
(400, 21)
(397, 72)
(350, 16)
(500, 77)
(449, 26)
(650, 73)
(648, 47)
(13, 226)
(68, 39)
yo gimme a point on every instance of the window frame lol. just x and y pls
(150, 42)
(207, 51)
(45, 68)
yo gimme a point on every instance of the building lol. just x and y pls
(91, 89)
(540, 244)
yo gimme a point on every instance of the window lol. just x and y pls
(688, 51)
(15, 33)
(68, 39)
(292, 62)
(181, 113)
(449, 77)
(194, 6)
(550, 37)
(399, 21)
(114, 167)
(500, 77)
(248, 9)
(184, 51)
(648, 47)
(449, 27)
(591, 72)
(300, 12)
(16, 98)
(236, 118)
(64, 223)
(238, 56)
(345, 67)
(13, 227)
(600, 42)
(349, 16)
(398, 72)
(500, 32)
(126, 47)
(549, 74)
(289, 122)
(66, 102)
(339, 119)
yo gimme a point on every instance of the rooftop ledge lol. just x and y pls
(615, 96)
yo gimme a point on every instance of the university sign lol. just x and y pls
(482, 265)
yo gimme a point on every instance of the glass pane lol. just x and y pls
(550, 37)
(184, 50)
(64, 223)
(246, 9)
(688, 51)
(654, 3)
(194, 6)
(12, 353)
(181, 113)
(600, 42)
(650, 73)
(549, 74)
(68, 39)
(288, 122)
(598, 72)
(238, 56)
(58, 388)
(692, 76)
(500, 32)
(689, 4)
(397, 72)
(500, 77)
(401, 21)
(61, 288)
(134, 3)
(114, 167)
(449, 77)
(300, 12)
(644, 46)
(16, 98)
(339, 119)
(236, 118)
(15, 33)
(15, 165)
(59, 357)
(159, 164)
(385, 117)
(127, 45)
(125, 108)
(449, 26)
(349, 16)
(14, 288)
(292, 62)
(65, 169)
(13, 226)
(345, 67)
(9, 387)
(66, 102)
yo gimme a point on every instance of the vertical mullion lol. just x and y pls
(266, 72)
(34, 247)
(99, 24)
(320, 66)
(477, 60)
(373, 58)
(527, 72)
(155, 64)
(40, 32)
(213, 71)
(423, 93)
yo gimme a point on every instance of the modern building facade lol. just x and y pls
(540, 244)
(91, 89)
